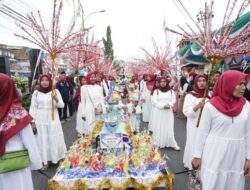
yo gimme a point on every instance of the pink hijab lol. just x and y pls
(150, 82)
(88, 78)
(223, 99)
(42, 89)
(13, 118)
(197, 92)
(167, 87)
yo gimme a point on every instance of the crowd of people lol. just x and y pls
(219, 147)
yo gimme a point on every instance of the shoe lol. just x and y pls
(67, 119)
(177, 148)
(45, 167)
(62, 121)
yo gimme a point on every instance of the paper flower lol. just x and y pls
(217, 43)
(74, 161)
(66, 165)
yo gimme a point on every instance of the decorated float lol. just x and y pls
(114, 157)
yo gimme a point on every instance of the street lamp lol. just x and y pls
(92, 13)
(101, 11)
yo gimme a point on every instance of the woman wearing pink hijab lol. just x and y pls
(222, 148)
(163, 100)
(16, 135)
(193, 102)
(50, 137)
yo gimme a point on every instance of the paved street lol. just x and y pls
(175, 157)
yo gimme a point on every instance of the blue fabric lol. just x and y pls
(63, 88)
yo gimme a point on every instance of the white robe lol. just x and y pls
(223, 144)
(146, 105)
(192, 118)
(92, 97)
(50, 138)
(163, 121)
(131, 115)
(151, 118)
(142, 85)
(80, 123)
(21, 179)
(134, 117)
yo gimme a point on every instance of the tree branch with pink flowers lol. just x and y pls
(50, 41)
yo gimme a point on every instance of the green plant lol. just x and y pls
(108, 44)
(22, 84)
(26, 101)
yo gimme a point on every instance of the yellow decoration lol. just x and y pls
(78, 185)
(111, 162)
(82, 162)
(99, 125)
(97, 129)
(134, 159)
(126, 167)
(105, 183)
(157, 157)
(81, 185)
(135, 141)
(53, 56)
(214, 59)
(115, 98)
(128, 129)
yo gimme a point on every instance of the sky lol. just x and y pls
(133, 22)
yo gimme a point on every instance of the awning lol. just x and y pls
(193, 54)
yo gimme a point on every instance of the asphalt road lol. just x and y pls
(175, 157)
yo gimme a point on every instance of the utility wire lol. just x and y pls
(15, 12)
(180, 10)
(9, 14)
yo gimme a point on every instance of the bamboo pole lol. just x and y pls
(79, 82)
(212, 61)
(37, 63)
(53, 70)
